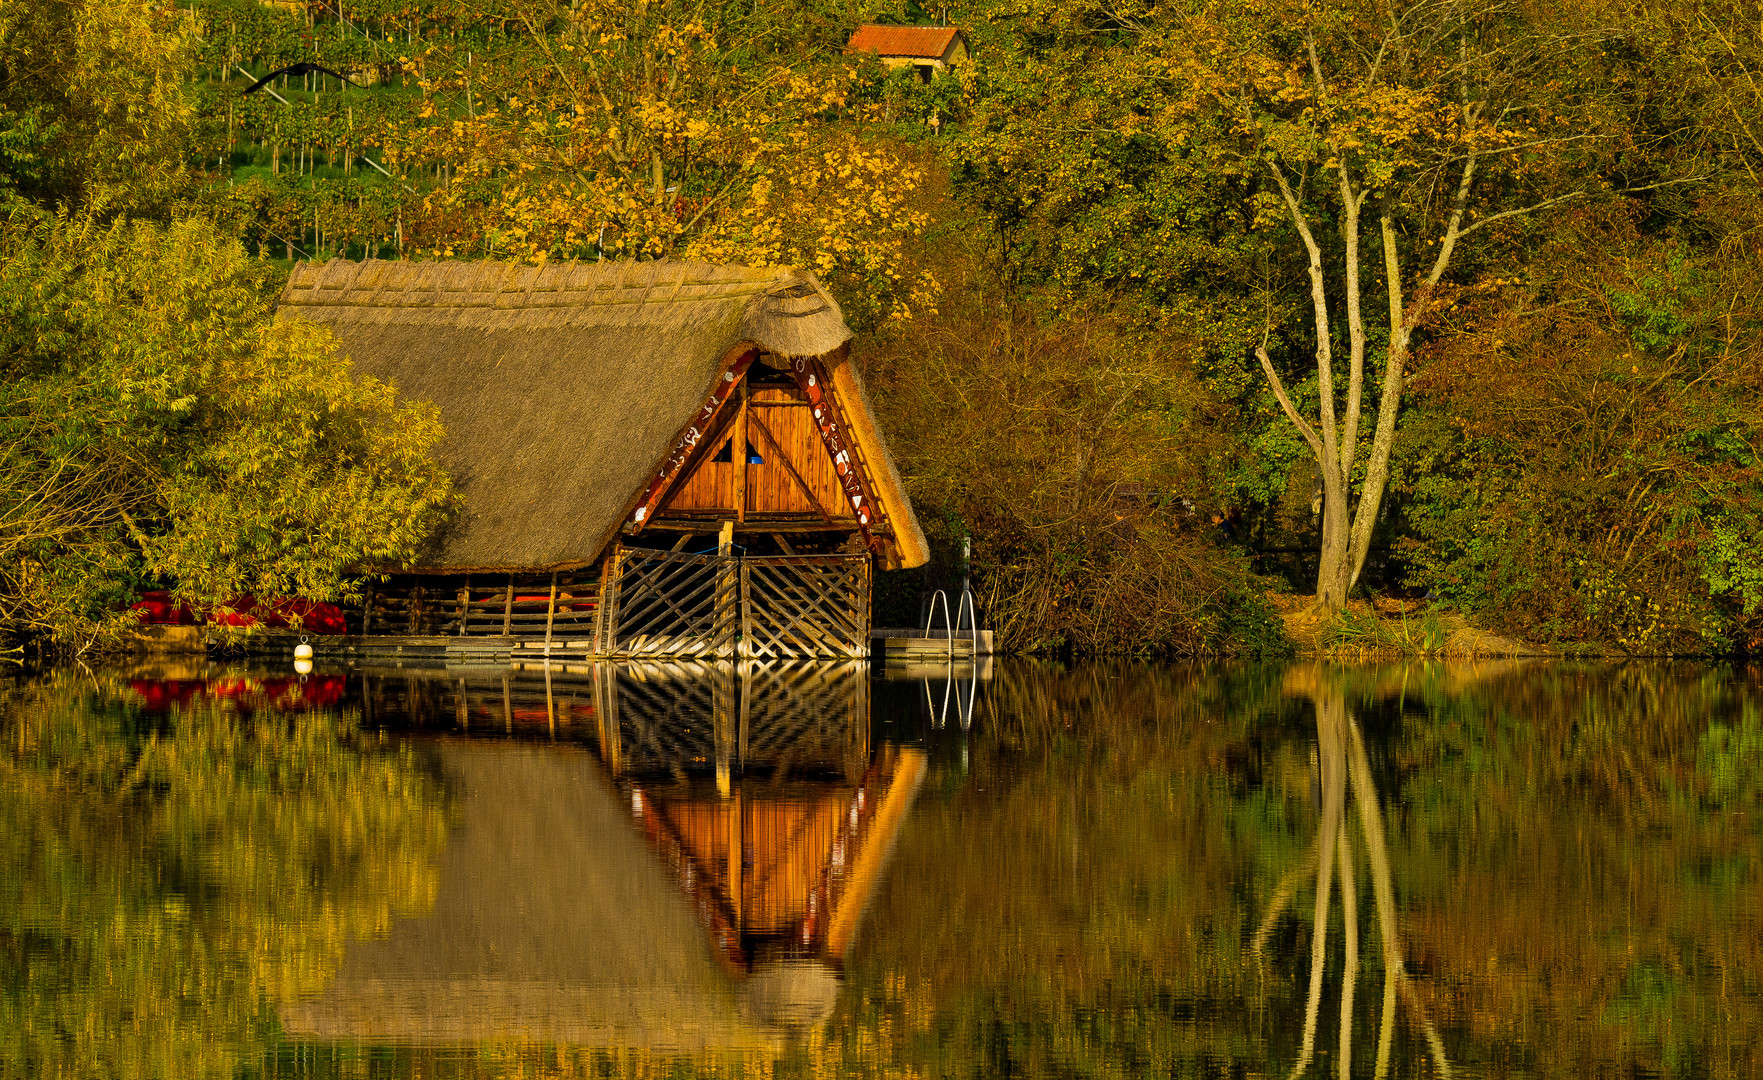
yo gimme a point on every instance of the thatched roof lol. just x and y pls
(553, 922)
(563, 387)
(910, 547)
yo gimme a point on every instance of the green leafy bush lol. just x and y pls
(1587, 463)
(157, 425)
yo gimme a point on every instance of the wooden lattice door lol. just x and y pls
(805, 605)
(669, 603)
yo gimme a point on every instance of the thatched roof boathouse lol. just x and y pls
(655, 458)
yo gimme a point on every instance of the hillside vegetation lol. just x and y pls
(1164, 305)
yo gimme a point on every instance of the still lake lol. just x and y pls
(1121, 870)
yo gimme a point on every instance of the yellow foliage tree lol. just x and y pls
(92, 108)
(609, 130)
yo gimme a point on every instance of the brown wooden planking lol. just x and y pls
(710, 485)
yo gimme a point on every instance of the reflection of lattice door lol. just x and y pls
(670, 603)
(805, 605)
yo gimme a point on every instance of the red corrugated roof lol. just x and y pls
(928, 42)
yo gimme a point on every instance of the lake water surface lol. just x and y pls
(1104, 870)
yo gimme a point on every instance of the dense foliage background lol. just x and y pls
(1060, 259)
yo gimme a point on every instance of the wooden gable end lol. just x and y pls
(764, 460)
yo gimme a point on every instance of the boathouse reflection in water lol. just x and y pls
(672, 857)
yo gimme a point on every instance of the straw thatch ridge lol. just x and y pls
(562, 387)
(910, 547)
(784, 310)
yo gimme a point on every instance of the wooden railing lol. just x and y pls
(562, 607)
(648, 603)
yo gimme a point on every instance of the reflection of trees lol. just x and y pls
(1344, 767)
(163, 879)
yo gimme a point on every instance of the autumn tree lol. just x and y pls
(601, 129)
(1413, 118)
(1295, 178)
(92, 103)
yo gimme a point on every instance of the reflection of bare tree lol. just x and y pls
(1344, 768)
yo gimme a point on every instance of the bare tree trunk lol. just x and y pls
(1331, 578)
(1348, 523)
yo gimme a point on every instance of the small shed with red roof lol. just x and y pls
(928, 49)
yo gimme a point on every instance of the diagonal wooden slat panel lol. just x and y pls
(673, 604)
(809, 605)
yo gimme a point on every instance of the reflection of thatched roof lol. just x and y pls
(554, 923)
(562, 387)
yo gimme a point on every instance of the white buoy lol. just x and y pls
(302, 651)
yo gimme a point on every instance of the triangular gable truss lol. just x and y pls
(712, 426)
(761, 438)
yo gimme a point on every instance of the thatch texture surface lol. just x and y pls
(554, 922)
(562, 387)
(911, 549)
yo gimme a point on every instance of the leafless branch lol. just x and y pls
(1285, 401)
(1545, 204)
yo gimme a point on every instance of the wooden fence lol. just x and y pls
(667, 603)
(805, 605)
(647, 604)
(561, 607)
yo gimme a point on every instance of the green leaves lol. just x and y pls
(156, 424)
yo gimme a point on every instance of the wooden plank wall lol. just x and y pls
(782, 413)
(516, 605)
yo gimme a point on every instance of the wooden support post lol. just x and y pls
(744, 625)
(738, 455)
(464, 605)
(508, 608)
(367, 614)
(550, 615)
(727, 586)
(605, 615)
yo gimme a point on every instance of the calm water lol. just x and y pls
(1106, 870)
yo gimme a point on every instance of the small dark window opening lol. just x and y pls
(726, 454)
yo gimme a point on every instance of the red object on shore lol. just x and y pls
(157, 608)
(304, 615)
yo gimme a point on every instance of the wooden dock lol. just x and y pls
(927, 645)
(892, 644)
